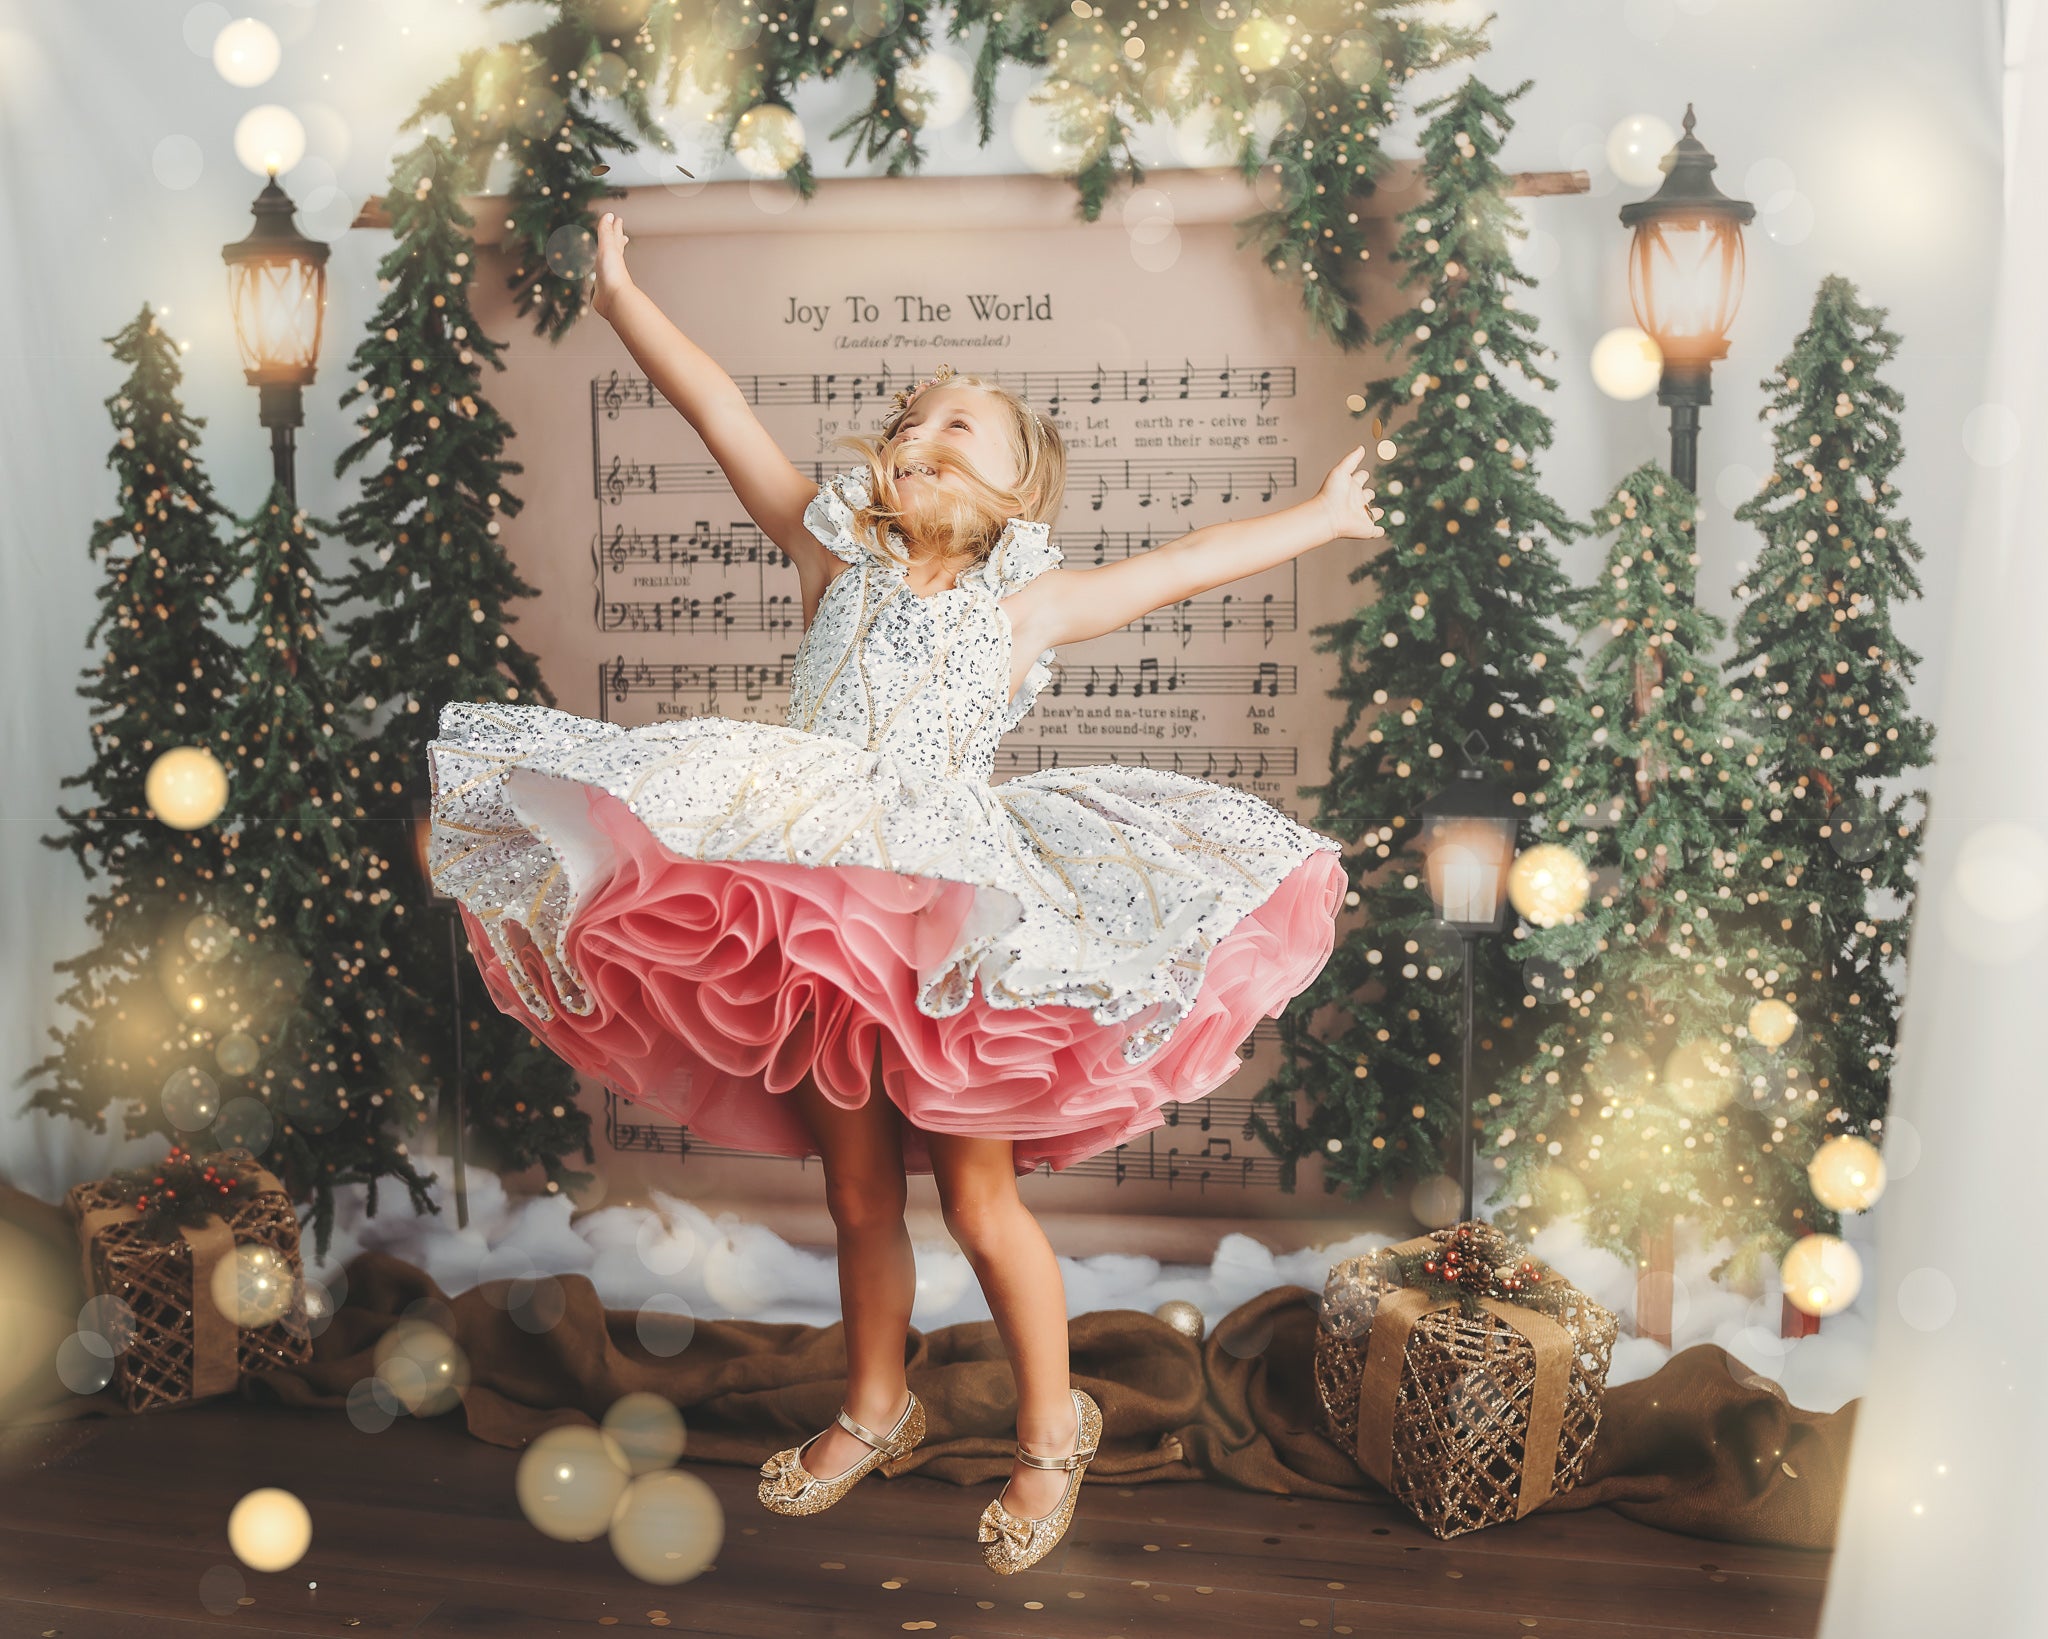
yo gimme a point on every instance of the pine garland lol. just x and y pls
(1475, 1261)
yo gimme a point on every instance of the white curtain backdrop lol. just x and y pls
(1942, 1532)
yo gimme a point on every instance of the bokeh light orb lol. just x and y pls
(244, 1124)
(190, 1099)
(1771, 1022)
(253, 1285)
(1847, 1174)
(1259, 43)
(269, 139)
(1822, 1275)
(236, 1053)
(208, 937)
(937, 90)
(649, 1430)
(668, 1528)
(1548, 884)
(768, 140)
(1627, 363)
(1636, 145)
(1436, 1201)
(186, 787)
(246, 52)
(570, 1480)
(424, 1368)
(270, 1530)
(1700, 1076)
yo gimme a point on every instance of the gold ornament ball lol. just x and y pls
(668, 1527)
(1822, 1275)
(1771, 1022)
(569, 1482)
(1183, 1317)
(186, 787)
(768, 139)
(1847, 1174)
(270, 1530)
(1548, 884)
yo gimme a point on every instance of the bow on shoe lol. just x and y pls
(785, 1475)
(998, 1523)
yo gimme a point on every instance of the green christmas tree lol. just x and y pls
(148, 1001)
(434, 588)
(1456, 648)
(1825, 675)
(1650, 1094)
(336, 1091)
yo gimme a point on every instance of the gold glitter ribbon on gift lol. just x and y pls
(216, 1359)
(1386, 1352)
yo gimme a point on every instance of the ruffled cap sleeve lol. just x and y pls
(830, 516)
(1022, 553)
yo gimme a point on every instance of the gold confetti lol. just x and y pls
(892, 1583)
(1034, 1604)
(984, 1604)
(1454, 1575)
(692, 175)
(599, 170)
(1791, 1473)
(1379, 429)
(831, 1564)
(1151, 1547)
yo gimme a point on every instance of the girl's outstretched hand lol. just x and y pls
(611, 275)
(1347, 497)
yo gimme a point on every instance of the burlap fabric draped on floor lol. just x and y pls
(1701, 1447)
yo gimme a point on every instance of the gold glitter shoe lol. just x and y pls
(787, 1487)
(1010, 1543)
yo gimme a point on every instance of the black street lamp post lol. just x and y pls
(1468, 843)
(277, 288)
(1685, 275)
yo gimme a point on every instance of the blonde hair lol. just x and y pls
(964, 520)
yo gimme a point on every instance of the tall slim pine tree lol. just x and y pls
(340, 1088)
(148, 999)
(1825, 677)
(1454, 649)
(434, 587)
(1648, 1096)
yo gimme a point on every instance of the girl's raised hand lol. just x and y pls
(1347, 497)
(612, 276)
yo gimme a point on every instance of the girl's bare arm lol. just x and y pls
(1072, 605)
(766, 481)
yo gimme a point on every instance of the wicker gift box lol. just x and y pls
(184, 1347)
(1471, 1409)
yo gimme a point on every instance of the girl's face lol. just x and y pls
(968, 421)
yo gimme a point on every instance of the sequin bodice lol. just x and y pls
(925, 679)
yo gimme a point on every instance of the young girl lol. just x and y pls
(837, 937)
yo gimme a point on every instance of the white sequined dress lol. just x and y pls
(700, 913)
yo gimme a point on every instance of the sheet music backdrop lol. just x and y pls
(1186, 396)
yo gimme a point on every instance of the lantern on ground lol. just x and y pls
(1468, 846)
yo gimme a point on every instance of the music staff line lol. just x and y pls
(743, 545)
(1219, 478)
(622, 678)
(1227, 614)
(1202, 762)
(1045, 390)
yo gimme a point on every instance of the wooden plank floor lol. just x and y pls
(118, 1530)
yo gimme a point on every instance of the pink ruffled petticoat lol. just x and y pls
(715, 986)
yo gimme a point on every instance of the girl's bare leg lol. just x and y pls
(866, 1193)
(1019, 1274)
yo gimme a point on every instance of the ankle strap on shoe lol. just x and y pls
(1075, 1461)
(860, 1432)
